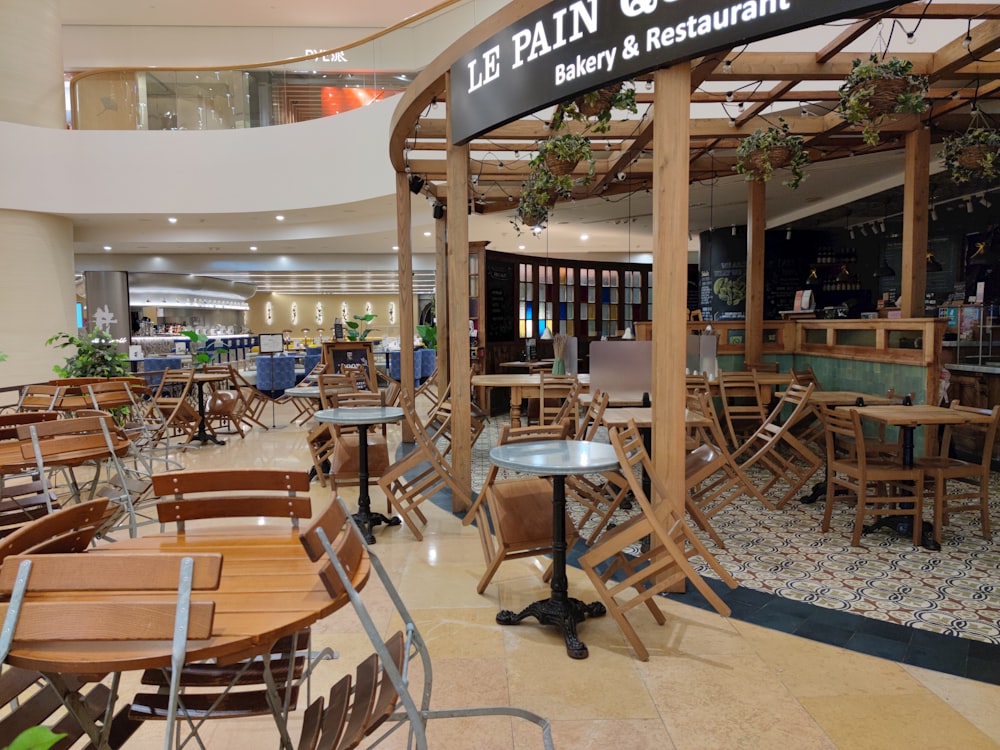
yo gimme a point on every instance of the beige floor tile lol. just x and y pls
(886, 722)
(976, 701)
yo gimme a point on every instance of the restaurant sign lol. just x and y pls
(570, 47)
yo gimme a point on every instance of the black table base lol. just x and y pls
(202, 435)
(367, 520)
(564, 615)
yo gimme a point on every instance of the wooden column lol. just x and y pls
(441, 287)
(404, 263)
(756, 224)
(916, 184)
(458, 309)
(671, 149)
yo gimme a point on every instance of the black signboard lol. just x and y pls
(570, 47)
(501, 301)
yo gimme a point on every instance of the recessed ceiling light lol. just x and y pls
(395, 247)
(427, 234)
(520, 247)
(279, 217)
(107, 248)
(584, 236)
(172, 219)
(253, 248)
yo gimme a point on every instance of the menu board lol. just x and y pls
(723, 282)
(501, 301)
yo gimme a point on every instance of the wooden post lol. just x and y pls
(458, 310)
(404, 264)
(916, 185)
(756, 224)
(441, 287)
(671, 150)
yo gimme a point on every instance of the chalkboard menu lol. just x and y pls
(350, 354)
(723, 277)
(501, 301)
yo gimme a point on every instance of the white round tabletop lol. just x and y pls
(359, 415)
(303, 391)
(556, 457)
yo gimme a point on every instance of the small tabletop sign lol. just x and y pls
(271, 343)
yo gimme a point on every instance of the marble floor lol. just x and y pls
(710, 683)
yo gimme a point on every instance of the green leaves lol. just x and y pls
(200, 352)
(96, 356)
(354, 331)
(35, 738)
(429, 335)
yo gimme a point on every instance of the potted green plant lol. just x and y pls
(429, 335)
(96, 356)
(877, 89)
(354, 330)
(560, 154)
(551, 177)
(760, 153)
(201, 355)
(35, 738)
(595, 107)
(972, 155)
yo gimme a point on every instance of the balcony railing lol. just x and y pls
(270, 93)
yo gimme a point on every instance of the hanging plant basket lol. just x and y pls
(592, 104)
(560, 167)
(764, 151)
(878, 89)
(973, 155)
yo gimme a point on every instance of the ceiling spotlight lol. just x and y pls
(732, 230)
(584, 236)
(438, 211)
(253, 248)
(850, 233)
(279, 217)
(416, 184)
(934, 213)
(881, 226)
(968, 205)
(788, 233)
(107, 248)
(172, 219)
(982, 199)
(427, 234)
(864, 232)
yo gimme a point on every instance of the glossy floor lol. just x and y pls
(710, 683)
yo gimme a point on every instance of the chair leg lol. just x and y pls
(939, 487)
(859, 516)
(984, 508)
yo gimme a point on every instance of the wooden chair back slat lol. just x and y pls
(273, 480)
(80, 522)
(110, 571)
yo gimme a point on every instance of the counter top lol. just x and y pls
(991, 368)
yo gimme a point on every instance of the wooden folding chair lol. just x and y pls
(614, 571)
(742, 408)
(383, 680)
(322, 437)
(553, 393)
(254, 399)
(419, 475)
(101, 609)
(776, 450)
(971, 479)
(439, 421)
(518, 510)
(180, 415)
(69, 529)
(39, 398)
(334, 448)
(878, 486)
(305, 406)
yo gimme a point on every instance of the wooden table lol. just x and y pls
(846, 398)
(269, 589)
(643, 416)
(521, 386)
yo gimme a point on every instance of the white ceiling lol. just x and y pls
(614, 227)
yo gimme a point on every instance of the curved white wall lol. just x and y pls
(324, 162)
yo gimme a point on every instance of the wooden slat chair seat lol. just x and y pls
(968, 481)
(104, 613)
(775, 450)
(514, 515)
(219, 691)
(419, 475)
(365, 708)
(878, 486)
(624, 581)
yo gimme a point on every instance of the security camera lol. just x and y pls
(621, 176)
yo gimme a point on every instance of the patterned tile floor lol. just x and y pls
(940, 610)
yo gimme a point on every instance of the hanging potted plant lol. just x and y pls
(595, 107)
(551, 178)
(764, 151)
(972, 155)
(878, 89)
